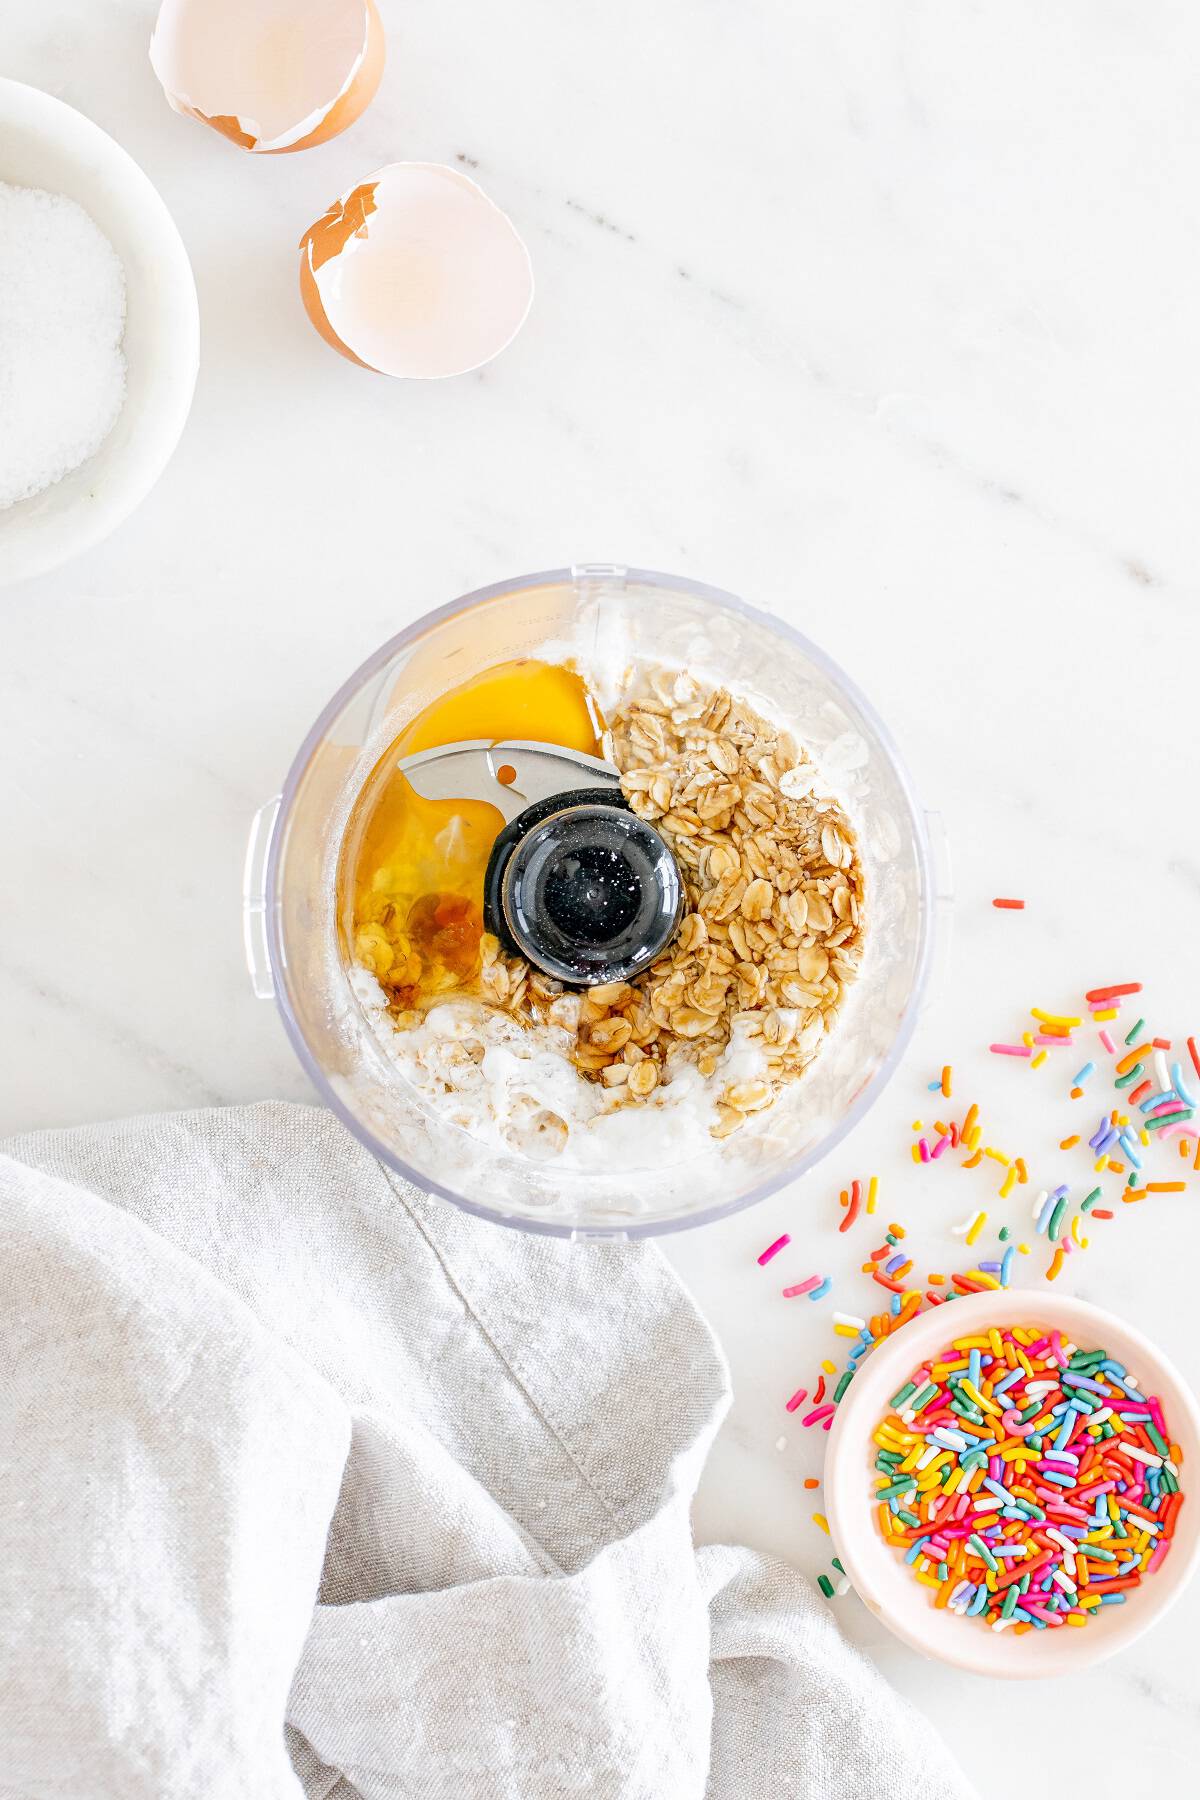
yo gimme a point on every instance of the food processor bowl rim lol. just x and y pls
(627, 576)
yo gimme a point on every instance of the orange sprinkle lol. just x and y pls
(1069, 1143)
(1009, 905)
(1022, 1171)
(1130, 1057)
(937, 1280)
(1166, 1187)
(1132, 1194)
(810, 1481)
(1055, 1269)
(946, 1074)
(1076, 1094)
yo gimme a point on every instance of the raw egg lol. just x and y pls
(269, 75)
(415, 272)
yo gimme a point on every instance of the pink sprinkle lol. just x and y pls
(799, 1395)
(1053, 1043)
(818, 1413)
(939, 1147)
(1108, 1043)
(802, 1287)
(923, 1147)
(1166, 1107)
(774, 1249)
(1010, 1049)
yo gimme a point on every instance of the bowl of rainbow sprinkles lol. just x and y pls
(1006, 1484)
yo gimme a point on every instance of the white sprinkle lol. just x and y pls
(843, 1586)
(848, 1319)
(62, 318)
(1143, 1456)
(1040, 1202)
(781, 1443)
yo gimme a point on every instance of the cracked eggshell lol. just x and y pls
(415, 272)
(270, 75)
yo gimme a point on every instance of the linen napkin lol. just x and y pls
(311, 1486)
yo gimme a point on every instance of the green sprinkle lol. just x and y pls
(1056, 1217)
(909, 1518)
(1131, 1035)
(902, 1394)
(1088, 1205)
(980, 1548)
(843, 1384)
(837, 1564)
(1156, 1437)
(1124, 1081)
(905, 1485)
(921, 1400)
(891, 1238)
(1010, 1600)
(1004, 1234)
(826, 1586)
(1169, 1119)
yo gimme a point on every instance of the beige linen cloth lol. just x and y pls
(312, 1487)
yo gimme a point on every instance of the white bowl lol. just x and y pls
(880, 1575)
(47, 144)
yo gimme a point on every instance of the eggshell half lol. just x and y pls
(270, 75)
(416, 273)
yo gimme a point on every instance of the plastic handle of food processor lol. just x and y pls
(254, 898)
(943, 905)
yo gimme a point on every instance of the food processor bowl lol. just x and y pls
(600, 617)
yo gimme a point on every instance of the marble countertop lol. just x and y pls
(882, 317)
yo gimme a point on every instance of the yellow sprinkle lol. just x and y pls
(916, 1124)
(1054, 1018)
(916, 1154)
(1109, 1013)
(979, 1275)
(979, 1222)
(829, 1368)
(1027, 1039)
(981, 1401)
(1100, 1166)
(873, 1191)
(1006, 1186)
(822, 1521)
(845, 1331)
(973, 1137)
(995, 1341)
(1082, 1242)
(1144, 1135)
(1024, 1250)
(1039, 1059)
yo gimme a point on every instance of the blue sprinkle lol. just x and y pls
(1112, 1599)
(1177, 1077)
(935, 1087)
(1005, 1278)
(819, 1293)
(894, 1262)
(1089, 1068)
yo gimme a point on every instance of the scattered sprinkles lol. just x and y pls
(1025, 1481)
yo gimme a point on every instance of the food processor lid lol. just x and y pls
(576, 883)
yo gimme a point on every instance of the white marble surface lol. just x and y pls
(883, 316)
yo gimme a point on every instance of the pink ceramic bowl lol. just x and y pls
(881, 1577)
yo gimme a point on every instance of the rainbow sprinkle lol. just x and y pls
(1027, 1482)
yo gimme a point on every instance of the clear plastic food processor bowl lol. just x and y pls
(601, 616)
